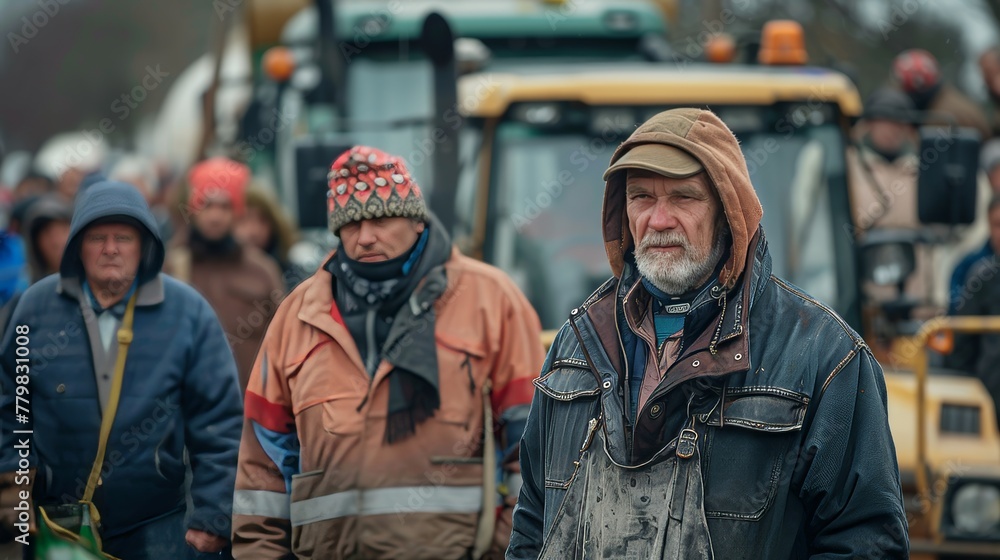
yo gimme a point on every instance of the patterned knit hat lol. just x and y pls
(366, 183)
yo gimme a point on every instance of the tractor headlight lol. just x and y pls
(975, 508)
(972, 509)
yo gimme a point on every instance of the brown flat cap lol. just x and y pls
(658, 158)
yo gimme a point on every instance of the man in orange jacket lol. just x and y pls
(377, 379)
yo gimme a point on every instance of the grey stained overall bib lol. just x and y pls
(650, 511)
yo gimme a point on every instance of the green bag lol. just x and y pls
(71, 529)
(66, 532)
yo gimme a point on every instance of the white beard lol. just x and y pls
(677, 274)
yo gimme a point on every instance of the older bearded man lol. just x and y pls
(675, 252)
(696, 406)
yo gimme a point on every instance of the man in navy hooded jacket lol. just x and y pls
(179, 399)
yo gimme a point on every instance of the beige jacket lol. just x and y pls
(244, 290)
(884, 195)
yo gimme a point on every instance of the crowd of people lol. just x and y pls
(240, 234)
(87, 246)
(199, 396)
(956, 272)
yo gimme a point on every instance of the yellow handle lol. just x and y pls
(124, 339)
(487, 516)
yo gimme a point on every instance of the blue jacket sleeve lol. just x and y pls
(213, 411)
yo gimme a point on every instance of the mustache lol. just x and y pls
(661, 238)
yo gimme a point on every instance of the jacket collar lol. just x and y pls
(320, 311)
(149, 293)
(721, 321)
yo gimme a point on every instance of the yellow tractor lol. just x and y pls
(532, 153)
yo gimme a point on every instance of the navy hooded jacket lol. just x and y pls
(180, 391)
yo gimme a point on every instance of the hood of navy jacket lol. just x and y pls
(103, 202)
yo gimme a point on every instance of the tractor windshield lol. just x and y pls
(547, 195)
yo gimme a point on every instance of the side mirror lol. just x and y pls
(307, 254)
(312, 163)
(888, 257)
(949, 166)
(471, 55)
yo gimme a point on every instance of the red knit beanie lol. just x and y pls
(215, 177)
(366, 183)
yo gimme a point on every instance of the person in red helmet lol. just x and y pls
(917, 73)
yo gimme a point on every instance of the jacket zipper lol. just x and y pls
(682, 356)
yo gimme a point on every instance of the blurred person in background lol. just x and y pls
(883, 163)
(18, 211)
(45, 232)
(989, 64)
(33, 184)
(266, 226)
(883, 166)
(979, 354)
(917, 73)
(241, 282)
(989, 159)
(14, 276)
(142, 172)
(883, 170)
(70, 157)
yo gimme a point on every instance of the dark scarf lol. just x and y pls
(404, 289)
(695, 310)
(906, 148)
(923, 100)
(205, 248)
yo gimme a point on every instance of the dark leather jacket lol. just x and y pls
(797, 458)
